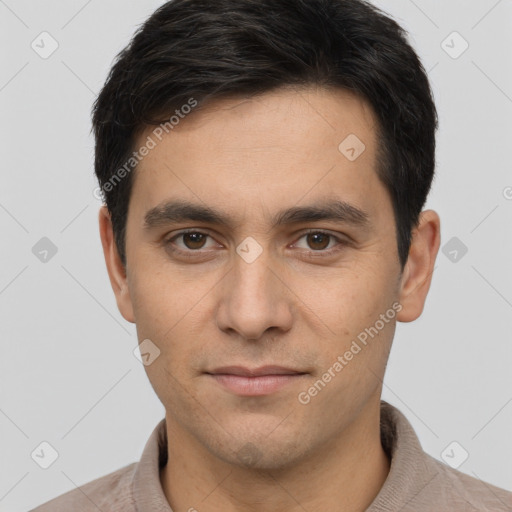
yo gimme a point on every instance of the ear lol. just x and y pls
(417, 275)
(115, 267)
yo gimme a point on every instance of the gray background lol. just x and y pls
(68, 373)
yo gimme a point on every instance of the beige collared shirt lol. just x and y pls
(416, 482)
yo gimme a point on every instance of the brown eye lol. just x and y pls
(188, 242)
(318, 241)
(194, 240)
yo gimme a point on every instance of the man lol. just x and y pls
(264, 166)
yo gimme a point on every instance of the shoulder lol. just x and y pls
(419, 482)
(452, 486)
(111, 493)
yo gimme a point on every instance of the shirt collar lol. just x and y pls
(411, 470)
(147, 488)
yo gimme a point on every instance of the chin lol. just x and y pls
(274, 454)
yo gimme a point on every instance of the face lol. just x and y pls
(299, 263)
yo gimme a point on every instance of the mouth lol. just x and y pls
(256, 381)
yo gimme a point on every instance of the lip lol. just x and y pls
(256, 381)
(255, 372)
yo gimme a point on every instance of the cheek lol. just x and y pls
(170, 312)
(350, 306)
(158, 306)
(348, 297)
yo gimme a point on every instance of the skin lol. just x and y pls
(251, 158)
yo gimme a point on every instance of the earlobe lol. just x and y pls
(115, 268)
(417, 275)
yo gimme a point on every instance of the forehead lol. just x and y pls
(272, 150)
(285, 117)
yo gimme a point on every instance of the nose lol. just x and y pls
(254, 299)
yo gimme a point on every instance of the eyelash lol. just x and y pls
(312, 253)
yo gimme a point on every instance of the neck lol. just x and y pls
(345, 474)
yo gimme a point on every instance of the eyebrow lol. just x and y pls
(176, 211)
